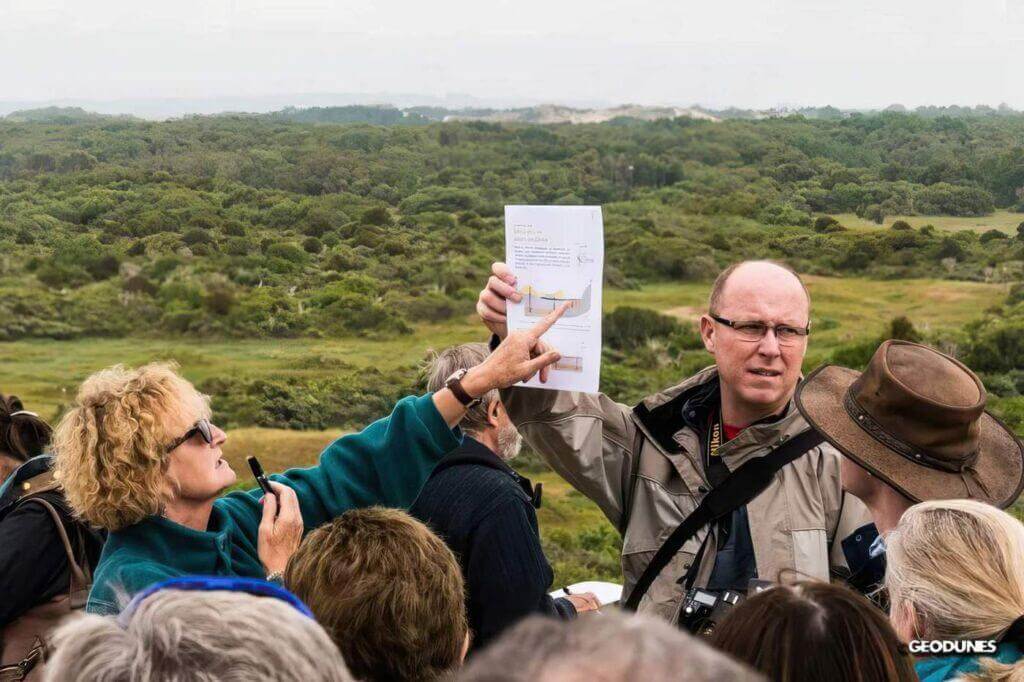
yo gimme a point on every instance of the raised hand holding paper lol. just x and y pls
(557, 255)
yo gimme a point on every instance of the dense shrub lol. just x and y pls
(857, 355)
(626, 328)
(282, 208)
(997, 347)
(345, 398)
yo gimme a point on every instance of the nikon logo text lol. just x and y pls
(945, 646)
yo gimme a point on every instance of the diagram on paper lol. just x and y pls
(539, 303)
(570, 363)
(557, 256)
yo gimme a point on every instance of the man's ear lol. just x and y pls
(494, 413)
(707, 333)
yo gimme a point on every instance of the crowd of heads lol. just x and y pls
(376, 595)
(386, 596)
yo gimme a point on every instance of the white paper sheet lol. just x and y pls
(606, 593)
(557, 255)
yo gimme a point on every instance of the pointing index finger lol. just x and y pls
(538, 329)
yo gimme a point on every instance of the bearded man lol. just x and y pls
(486, 513)
(648, 467)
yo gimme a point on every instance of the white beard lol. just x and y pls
(510, 442)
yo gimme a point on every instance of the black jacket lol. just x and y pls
(33, 564)
(735, 564)
(482, 509)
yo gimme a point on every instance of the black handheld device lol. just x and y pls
(257, 471)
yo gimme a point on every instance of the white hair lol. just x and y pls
(445, 363)
(610, 647)
(178, 635)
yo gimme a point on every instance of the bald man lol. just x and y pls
(647, 467)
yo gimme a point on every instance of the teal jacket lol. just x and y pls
(940, 668)
(387, 463)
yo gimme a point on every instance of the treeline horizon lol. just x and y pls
(248, 227)
(423, 114)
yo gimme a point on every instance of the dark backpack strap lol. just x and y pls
(739, 488)
(80, 575)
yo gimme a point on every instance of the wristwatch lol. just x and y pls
(454, 384)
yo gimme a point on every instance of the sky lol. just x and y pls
(717, 53)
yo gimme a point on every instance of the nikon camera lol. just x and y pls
(703, 610)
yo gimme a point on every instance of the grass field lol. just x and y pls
(579, 542)
(1004, 221)
(46, 373)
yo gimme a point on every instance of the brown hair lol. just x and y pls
(718, 288)
(814, 631)
(388, 591)
(23, 435)
(111, 447)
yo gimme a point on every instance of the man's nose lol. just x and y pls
(769, 345)
(219, 436)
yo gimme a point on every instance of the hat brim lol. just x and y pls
(999, 465)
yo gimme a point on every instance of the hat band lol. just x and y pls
(870, 425)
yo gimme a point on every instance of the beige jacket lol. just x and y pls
(595, 444)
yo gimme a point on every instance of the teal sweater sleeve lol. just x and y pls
(386, 463)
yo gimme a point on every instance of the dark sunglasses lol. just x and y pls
(202, 427)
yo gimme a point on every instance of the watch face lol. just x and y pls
(459, 373)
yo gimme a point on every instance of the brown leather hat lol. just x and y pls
(916, 419)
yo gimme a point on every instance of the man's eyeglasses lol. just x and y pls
(202, 427)
(754, 330)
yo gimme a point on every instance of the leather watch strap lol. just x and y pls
(454, 384)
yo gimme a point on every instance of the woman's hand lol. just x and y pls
(521, 355)
(280, 530)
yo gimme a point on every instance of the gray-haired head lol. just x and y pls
(205, 636)
(612, 647)
(450, 360)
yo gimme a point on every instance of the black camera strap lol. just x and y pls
(739, 488)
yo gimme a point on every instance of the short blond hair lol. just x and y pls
(958, 566)
(388, 591)
(110, 447)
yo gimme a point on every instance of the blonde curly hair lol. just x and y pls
(110, 447)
